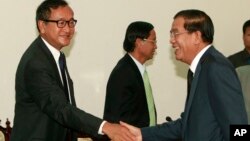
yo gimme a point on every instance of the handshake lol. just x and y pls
(122, 132)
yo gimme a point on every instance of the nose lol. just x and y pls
(155, 46)
(172, 40)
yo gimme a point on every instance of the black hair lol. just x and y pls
(138, 29)
(196, 20)
(44, 9)
(245, 26)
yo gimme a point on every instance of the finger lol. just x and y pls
(129, 127)
(130, 135)
(125, 124)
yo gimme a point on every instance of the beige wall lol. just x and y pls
(97, 46)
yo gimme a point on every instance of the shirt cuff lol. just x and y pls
(100, 129)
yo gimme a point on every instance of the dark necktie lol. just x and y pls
(189, 82)
(63, 68)
(62, 64)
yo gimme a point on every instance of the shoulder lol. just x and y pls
(236, 55)
(215, 62)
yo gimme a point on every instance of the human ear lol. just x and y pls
(41, 26)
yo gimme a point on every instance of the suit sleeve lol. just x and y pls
(43, 86)
(225, 97)
(167, 131)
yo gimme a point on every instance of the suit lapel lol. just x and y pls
(191, 96)
(50, 58)
(129, 60)
(189, 101)
(52, 61)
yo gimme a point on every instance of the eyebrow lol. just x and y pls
(173, 30)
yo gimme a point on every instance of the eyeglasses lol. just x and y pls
(149, 40)
(62, 23)
(175, 34)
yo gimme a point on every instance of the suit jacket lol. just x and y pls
(215, 102)
(244, 76)
(42, 111)
(125, 95)
(240, 58)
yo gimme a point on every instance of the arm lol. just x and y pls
(42, 82)
(44, 88)
(167, 131)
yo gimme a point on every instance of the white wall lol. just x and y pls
(97, 46)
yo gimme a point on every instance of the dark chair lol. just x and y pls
(5, 131)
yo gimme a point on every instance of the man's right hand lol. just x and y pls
(117, 132)
(134, 130)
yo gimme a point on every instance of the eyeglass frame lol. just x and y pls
(64, 22)
(174, 34)
(149, 40)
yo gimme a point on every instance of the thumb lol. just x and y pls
(125, 124)
(129, 127)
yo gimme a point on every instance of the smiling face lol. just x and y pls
(57, 37)
(186, 44)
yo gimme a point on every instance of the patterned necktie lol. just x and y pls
(150, 99)
(62, 64)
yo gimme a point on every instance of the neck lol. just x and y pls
(138, 57)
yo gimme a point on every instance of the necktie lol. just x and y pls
(63, 67)
(150, 100)
(189, 82)
(62, 64)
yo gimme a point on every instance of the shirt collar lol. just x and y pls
(140, 66)
(197, 58)
(54, 51)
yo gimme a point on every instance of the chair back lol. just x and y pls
(5, 131)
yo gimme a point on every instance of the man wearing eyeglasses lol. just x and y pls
(214, 100)
(45, 108)
(129, 95)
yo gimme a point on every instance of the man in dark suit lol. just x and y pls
(126, 96)
(242, 57)
(215, 99)
(45, 108)
(241, 62)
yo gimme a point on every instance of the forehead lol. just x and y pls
(248, 29)
(62, 12)
(178, 24)
(152, 33)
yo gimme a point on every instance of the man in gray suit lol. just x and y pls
(241, 62)
(45, 108)
(215, 99)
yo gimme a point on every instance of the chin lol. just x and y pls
(177, 57)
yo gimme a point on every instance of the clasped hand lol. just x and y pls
(122, 132)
